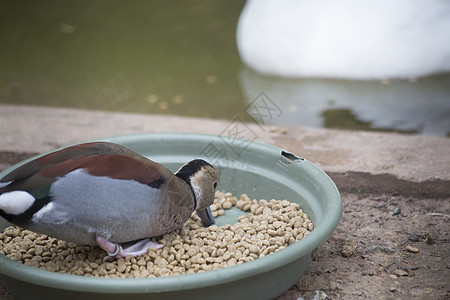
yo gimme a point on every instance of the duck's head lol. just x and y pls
(203, 179)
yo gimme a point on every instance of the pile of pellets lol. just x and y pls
(269, 226)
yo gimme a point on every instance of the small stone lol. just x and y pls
(349, 248)
(334, 285)
(396, 211)
(392, 289)
(412, 249)
(413, 238)
(392, 276)
(400, 272)
(320, 295)
(358, 293)
(428, 239)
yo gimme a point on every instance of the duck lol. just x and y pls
(105, 194)
(347, 39)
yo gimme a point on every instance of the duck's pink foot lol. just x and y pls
(115, 250)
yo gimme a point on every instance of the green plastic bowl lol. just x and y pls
(261, 171)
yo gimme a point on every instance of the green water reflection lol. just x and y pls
(122, 55)
(180, 57)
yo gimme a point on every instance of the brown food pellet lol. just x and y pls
(227, 205)
(269, 226)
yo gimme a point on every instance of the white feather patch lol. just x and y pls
(197, 191)
(16, 202)
(3, 184)
(40, 213)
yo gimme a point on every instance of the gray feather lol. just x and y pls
(85, 206)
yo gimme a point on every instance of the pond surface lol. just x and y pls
(180, 57)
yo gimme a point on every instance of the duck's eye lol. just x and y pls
(215, 184)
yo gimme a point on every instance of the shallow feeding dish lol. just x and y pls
(261, 171)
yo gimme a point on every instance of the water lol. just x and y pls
(180, 57)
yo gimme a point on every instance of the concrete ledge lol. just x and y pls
(36, 129)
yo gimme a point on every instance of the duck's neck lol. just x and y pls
(187, 179)
(186, 173)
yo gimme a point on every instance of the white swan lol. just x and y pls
(352, 39)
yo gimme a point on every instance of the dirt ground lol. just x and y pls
(392, 242)
(375, 254)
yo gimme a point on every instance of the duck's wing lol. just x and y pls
(97, 159)
(60, 156)
(37, 184)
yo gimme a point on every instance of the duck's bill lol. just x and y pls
(206, 216)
